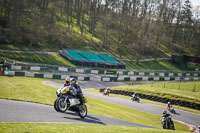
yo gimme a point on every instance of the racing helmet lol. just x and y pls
(67, 81)
(164, 112)
(73, 81)
(168, 103)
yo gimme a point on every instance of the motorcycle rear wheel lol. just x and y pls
(82, 112)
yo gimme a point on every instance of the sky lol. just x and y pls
(195, 2)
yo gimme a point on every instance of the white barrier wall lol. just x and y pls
(106, 79)
(131, 73)
(29, 74)
(156, 78)
(17, 67)
(151, 74)
(133, 78)
(49, 76)
(80, 70)
(141, 73)
(63, 69)
(94, 71)
(35, 68)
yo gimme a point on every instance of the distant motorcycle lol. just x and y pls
(167, 123)
(171, 109)
(67, 100)
(106, 92)
(135, 98)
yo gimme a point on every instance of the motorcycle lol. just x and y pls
(67, 100)
(171, 109)
(167, 123)
(135, 98)
(106, 92)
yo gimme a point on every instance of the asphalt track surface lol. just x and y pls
(18, 111)
(184, 116)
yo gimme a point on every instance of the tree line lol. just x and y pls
(139, 26)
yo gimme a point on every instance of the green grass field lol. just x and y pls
(187, 91)
(32, 89)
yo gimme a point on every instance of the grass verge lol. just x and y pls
(32, 89)
(74, 128)
(187, 91)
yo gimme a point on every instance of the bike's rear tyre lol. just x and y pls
(56, 105)
(82, 111)
(62, 105)
(138, 100)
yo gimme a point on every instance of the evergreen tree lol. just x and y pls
(186, 13)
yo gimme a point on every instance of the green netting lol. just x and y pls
(108, 58)
(75, 55)
(92, 57)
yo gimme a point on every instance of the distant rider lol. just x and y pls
(168, 105)
(107, 91)
(134, 95)
(79, 95)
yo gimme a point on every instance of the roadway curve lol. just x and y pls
(19, 111)
(187, 117)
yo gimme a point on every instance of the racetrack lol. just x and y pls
(18, 111)
(187, 117)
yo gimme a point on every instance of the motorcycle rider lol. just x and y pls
(168, 105)
(134, 95)
(79, 95)
(107, 91)
(165, 115)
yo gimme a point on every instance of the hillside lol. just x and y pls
(111, 27)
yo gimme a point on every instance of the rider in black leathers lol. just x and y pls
(79, 95)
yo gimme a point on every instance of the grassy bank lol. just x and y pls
(32, 89)
(187, 91)
(56, 59)
(53, 58)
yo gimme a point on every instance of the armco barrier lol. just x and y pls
(46, 75)
(53, 68)
(132, 78)
(158, 99)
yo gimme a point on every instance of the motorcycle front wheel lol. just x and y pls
(82, 112)
(62, 105)
(56, 105)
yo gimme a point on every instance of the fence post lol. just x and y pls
(194, 88)
(179, 86)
